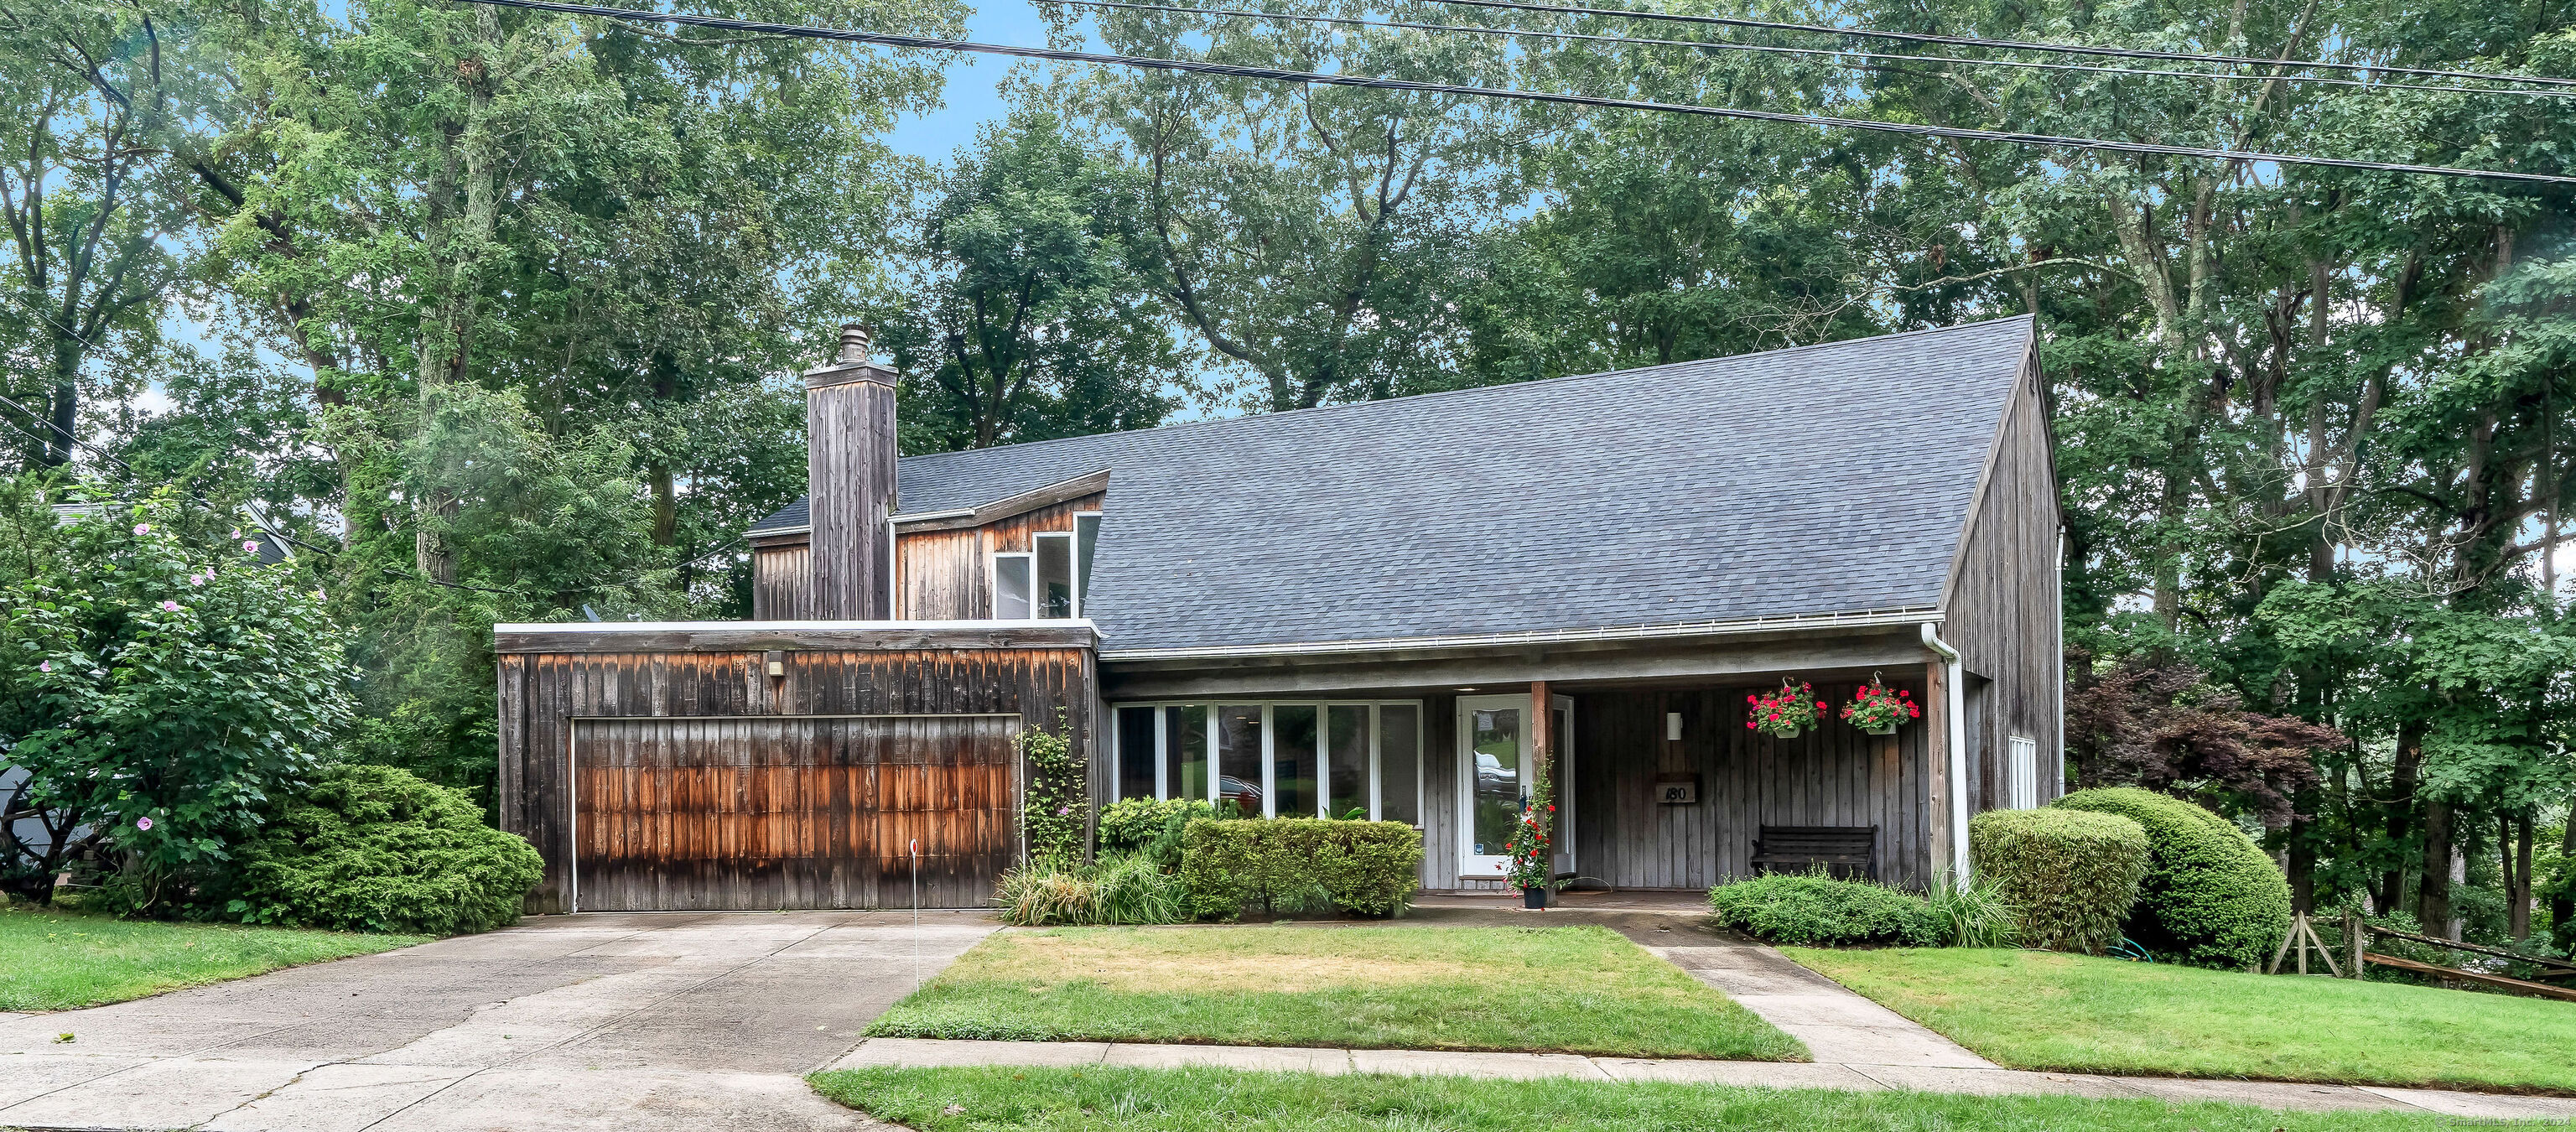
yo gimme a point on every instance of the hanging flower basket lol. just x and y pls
(1880, 710)
(1784, 713)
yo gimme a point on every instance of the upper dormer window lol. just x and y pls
(1046, 580)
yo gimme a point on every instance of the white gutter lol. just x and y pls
(1862, 620)
(1957, 728)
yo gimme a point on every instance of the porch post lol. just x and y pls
(1936, 759)
(1542, 744)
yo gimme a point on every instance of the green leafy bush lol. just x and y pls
(160, 693)
(1815, 908)
(2210, 897)
(1117, 889)
(376, 848)
(2071, 875)
(1292, 864)
(1143, 825)
(1056, 802)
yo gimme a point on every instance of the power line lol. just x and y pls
(1837, 53)
(2008, 44)
(1274, 74)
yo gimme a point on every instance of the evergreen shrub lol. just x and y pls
(2069, 875)
(2211, 897)
(376, 848)
(1817, 909)
(1369, 868)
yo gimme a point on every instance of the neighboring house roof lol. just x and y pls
(1834, 478)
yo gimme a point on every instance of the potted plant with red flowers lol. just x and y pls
(1784, 713)
(1532, 854)
(1879, 710)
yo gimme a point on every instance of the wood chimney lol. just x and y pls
(849, 469)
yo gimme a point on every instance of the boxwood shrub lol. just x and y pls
(1149, 827)
(375, 848)
(2211, 897)
(1818, 909)
(2069, 875)
(1294, 864)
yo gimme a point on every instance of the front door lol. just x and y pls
(1495, 780)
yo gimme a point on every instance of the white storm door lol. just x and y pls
(1494, 780)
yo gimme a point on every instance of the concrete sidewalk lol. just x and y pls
(919, 1053)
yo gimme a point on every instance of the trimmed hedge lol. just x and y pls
(375, 848)
(1292, 864)
(2070, 875)
(1818, 909)
(1149, 827)
(2211, 897)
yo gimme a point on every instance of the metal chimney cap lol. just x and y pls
(854, 343)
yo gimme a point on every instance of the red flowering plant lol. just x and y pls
(1880, 710)
(1531, 849)
(1784, 713)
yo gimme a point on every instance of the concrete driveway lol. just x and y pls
(600, 1020)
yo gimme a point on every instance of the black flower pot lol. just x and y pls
(1533, 898)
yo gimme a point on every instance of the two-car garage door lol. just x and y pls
(766, 812)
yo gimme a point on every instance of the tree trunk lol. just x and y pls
(2516, 847)
(2433, 892)
(2401, 810)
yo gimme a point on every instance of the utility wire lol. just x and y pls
(1274, 74)
(2008, 44)
(1837, 53)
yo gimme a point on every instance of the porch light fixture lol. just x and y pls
(777, 662)
(1672, 727)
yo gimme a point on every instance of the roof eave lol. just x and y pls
(1796, 623)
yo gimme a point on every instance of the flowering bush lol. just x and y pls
(1783, 713)
(160, 697)
(1874, 706)
(1531, 849)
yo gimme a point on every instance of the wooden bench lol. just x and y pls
(1844, 850)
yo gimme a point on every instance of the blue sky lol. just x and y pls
(972, 79)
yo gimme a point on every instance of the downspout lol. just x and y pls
(1956, 725)
(2057, 663)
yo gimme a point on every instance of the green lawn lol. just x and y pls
(57, 960)
(1577, 990)
(1219, 1100)
(2038, 1010)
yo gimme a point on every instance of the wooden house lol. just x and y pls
(1398, 608)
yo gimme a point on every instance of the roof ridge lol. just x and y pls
(1485, 389)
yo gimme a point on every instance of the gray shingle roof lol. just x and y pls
(1823, 479)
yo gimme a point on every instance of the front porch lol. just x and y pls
(1661, 787)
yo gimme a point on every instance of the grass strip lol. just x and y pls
(1221, 1100)
(2041, 1010)
(51, 959)
(1552, 990)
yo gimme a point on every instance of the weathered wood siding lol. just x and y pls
(782, 576)
(1832, 775)
(756, 813)
(2002, 606)
(850, 463)
(947, 575)
(549, 679)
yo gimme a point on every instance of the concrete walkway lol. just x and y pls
(676, 1021)
(916, 1053)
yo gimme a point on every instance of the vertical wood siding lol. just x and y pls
(781, 582)
(792, 812)
(544, 694)
(1833, 775)
(947, 575)
(2002, 608)
(850, 461)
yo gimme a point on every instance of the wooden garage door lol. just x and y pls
(792, 812)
